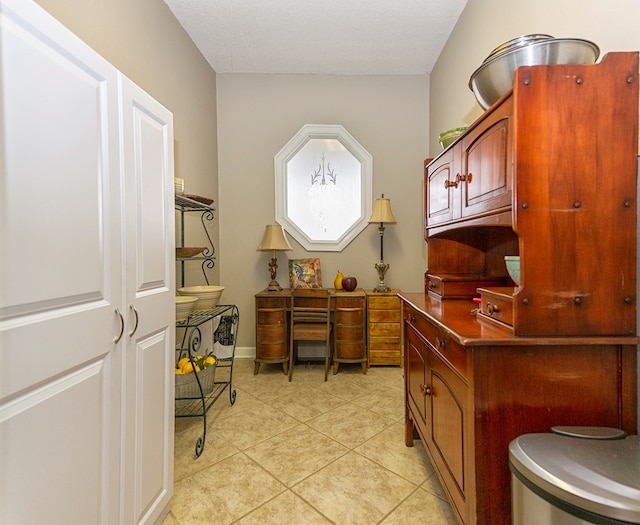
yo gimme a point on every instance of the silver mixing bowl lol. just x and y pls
(494, 77)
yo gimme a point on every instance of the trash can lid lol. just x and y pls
(600, 476)
(590, 432)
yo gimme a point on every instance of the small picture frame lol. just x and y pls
(305, 273)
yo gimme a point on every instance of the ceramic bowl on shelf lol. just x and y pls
(183, 252)
(513, 267)
(208, 296)
(447, 137)
(184, 305)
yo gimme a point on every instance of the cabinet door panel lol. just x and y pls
(57, 428)
(447, 406)
(59, 274)
(147, 136)
(415, 376)
(438, 197)
(486, 160)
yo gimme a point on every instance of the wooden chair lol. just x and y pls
(310, 321)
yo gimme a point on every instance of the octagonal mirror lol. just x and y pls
(323, 180)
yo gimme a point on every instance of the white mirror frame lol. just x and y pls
(293, 161)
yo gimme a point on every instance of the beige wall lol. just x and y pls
(484, 24)
(258, 114)
(143, 39)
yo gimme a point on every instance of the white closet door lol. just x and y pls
(59, 274)
(147, 138)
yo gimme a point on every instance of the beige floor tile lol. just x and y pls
(254, 425)
(216, 449)
(350, 424)
(338, 444)
(354, 490)
(224, 492)
(433, 485)
(304, 403)
(284, 509)
(388, 449)
(424, 508)
(385, 401)
(296, 454)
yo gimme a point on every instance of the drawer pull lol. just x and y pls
(426, 390)
(412, 318)
(440, 343)
(117, 339)
(492, 308)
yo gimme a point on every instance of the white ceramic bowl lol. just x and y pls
(184, 305)
(208, 296)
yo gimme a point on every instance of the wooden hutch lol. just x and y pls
(548, 173)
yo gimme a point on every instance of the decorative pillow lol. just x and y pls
(305, 273)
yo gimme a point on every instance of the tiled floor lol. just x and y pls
(306, 452)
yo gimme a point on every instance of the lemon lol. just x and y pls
(187, 368)
(178, 371)
(210, 360)
(182, 362)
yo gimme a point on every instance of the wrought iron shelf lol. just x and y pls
(186, 205)
(202, 399)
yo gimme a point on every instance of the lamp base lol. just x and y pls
(382, 268)
(274, 286)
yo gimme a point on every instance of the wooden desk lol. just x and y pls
(272, 332)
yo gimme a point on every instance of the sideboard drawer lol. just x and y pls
(441, 343)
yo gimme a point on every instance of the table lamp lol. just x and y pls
(274, 240)
(382, 214)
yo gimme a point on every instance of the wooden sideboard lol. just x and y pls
(272, 320)
(548, 173)
(472, 387)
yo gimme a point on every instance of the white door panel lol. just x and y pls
(147, 131)
(150, 461)
(60, 274)
(47, 437)
(57, 170)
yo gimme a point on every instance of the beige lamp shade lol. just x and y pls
(274, 239)
(382, 211)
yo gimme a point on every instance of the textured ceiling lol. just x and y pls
(343, 37)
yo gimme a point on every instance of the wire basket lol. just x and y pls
(187, 386)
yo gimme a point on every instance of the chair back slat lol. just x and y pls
(310, 320)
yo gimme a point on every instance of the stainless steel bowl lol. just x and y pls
(494, 77)
(515, 43)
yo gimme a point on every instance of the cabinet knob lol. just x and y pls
(441, 343)
(492, 308)
(464, 178)
(451, 183)
(426, 390)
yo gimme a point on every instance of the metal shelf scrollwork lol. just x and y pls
(184, 205)
(205, 393)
